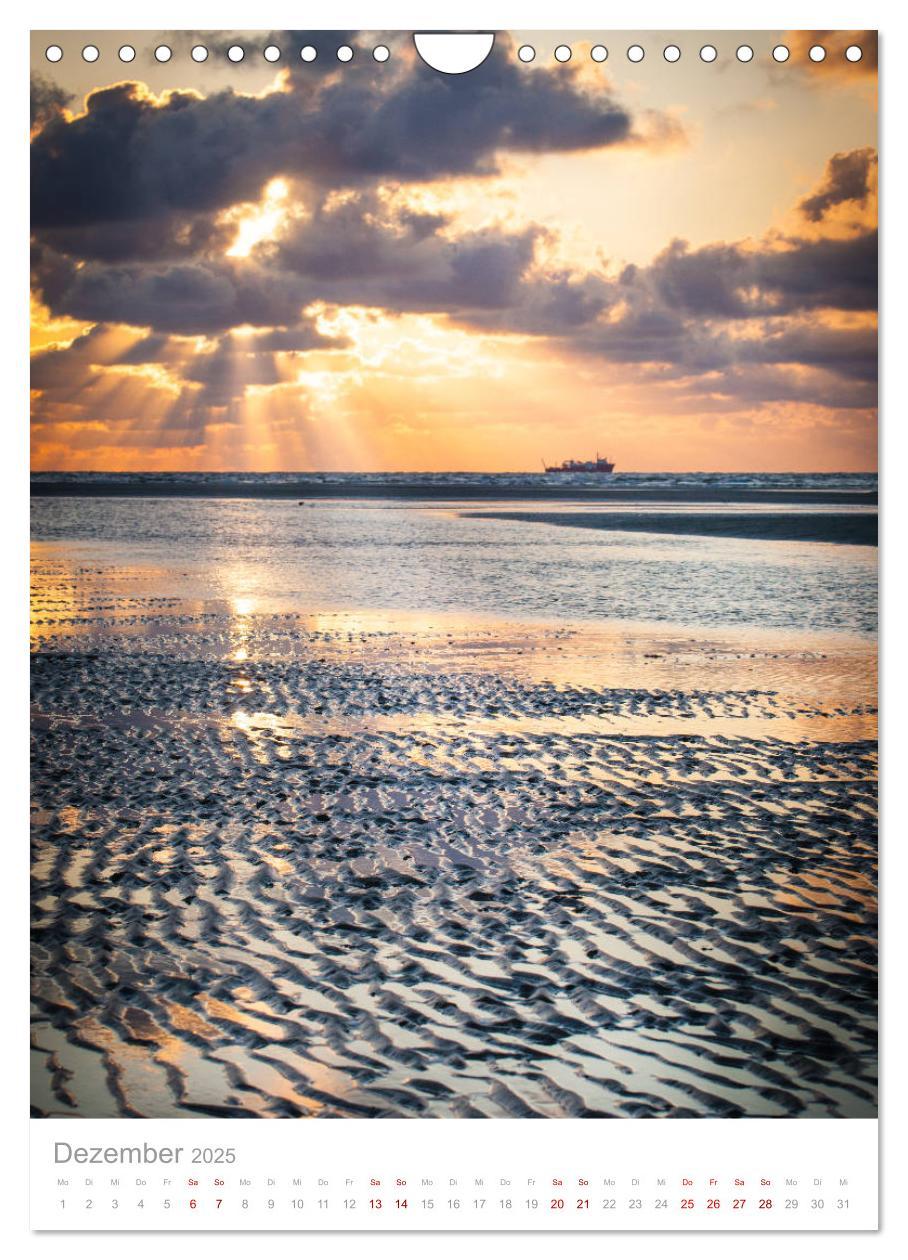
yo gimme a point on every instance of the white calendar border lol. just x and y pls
(466, 14)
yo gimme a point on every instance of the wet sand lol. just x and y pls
(830, 527)
(379, 865)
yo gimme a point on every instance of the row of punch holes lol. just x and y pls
(526, 53)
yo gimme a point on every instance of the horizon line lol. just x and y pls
(439, 472)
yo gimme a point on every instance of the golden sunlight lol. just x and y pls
(263, 221)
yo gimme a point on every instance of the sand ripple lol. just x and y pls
(326, 884)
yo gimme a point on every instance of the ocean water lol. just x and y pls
(348, 555)
(491, 481)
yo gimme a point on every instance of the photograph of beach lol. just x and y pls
(454, 579)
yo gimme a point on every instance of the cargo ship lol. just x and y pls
(597, 465)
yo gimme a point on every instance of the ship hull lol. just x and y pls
(604, 472)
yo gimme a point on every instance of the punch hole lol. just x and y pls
(53, 52)
(272, 53)
(345, 53)
(453, 52)
(381, 53)
(744, 53)
(817, 53)
(162, 53)
(90, 53)
(199, 53)
(635, 53)
(562, 53)
(671, 53)
(853, 52)
(780, 53)
(126, 53)
(235, 53)
(526, 52)
(599, 52)
(308, 53)
(708, 53)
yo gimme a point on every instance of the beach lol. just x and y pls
(398, 808)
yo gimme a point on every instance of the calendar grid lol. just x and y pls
(600, 1175)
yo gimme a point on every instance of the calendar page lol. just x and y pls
(454, 630)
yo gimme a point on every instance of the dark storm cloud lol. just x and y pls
(486, 269)
(204, 297)
(347, 254)
(152, 239)
(679, 348)
(128, 157)
(682, 310)
(357, 239)
(550, 302)
(847, 179)
(651, 334)
(733, 282)
(848, 353)
(841, 274)
(46, 100)
(348, 258)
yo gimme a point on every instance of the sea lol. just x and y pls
(382, 551)
(491, 482)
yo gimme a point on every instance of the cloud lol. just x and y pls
(847, 179)
(297, 340)
(356, 251)
(216, 374)
(134, 156)
(199, 297)
(352, 251)
(690, 313)
(359, 251)
(46, 101)
(167, 237)
(70, 367)
(846, 352)
(738, 282)
(290, 43)
(749, 385)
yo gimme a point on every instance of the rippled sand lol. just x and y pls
(391, 866)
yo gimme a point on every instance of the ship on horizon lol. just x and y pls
(598, 465)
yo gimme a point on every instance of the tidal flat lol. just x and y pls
(421, 861)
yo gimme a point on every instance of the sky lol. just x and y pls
(369, 265)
